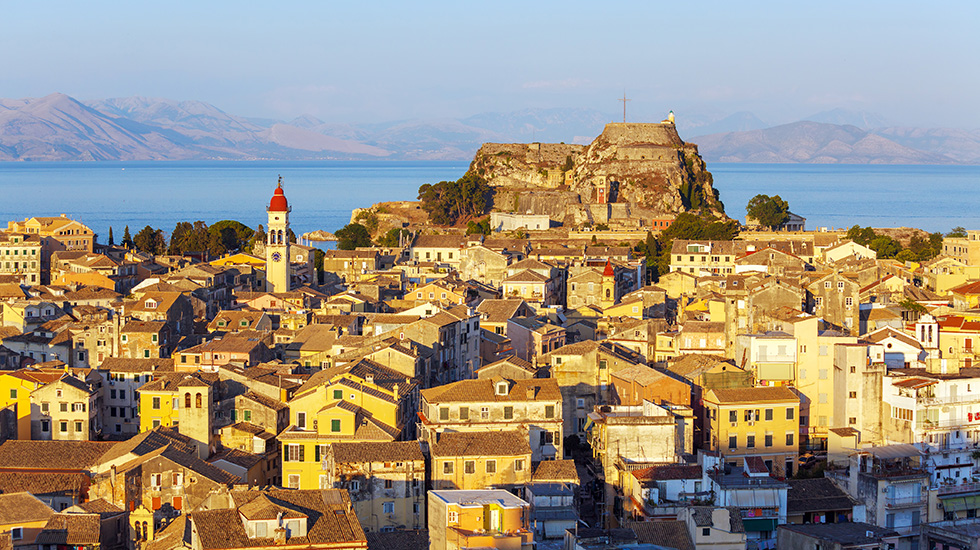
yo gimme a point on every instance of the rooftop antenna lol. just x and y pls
(624, 100)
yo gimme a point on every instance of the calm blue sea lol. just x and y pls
(322, 194)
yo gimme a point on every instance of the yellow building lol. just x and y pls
(763, 422)
(385, 481)
(184, 401)
(478, 519)
(362, 401)
(480, 460)
(15, 390)
(24, 517)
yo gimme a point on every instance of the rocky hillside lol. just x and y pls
(640, 170)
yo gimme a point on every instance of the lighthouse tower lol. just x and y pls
(277, 274)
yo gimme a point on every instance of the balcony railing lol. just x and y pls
(961, 488)
(904, 502)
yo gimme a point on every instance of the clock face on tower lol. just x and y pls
(276, 256)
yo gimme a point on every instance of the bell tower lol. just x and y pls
(277, 276)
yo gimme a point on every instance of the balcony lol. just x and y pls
(904, 502)
(961, 488)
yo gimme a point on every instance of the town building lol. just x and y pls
(460, 519)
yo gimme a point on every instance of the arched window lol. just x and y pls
(607, 293)
(187, 400)
(280, 236)
(272, 237)
(146, 534)
(197, 400)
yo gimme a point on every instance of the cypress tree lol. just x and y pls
(111, 241)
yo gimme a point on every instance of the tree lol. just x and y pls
(150, 240)
(447, 202)
(318, 256)
(233, 235)
(768, 211)
(111, 240)
(957, 231)
(127, 240)
(351, 236)
(258, 236)
(391, 238)
(481, 227)
(861, 235)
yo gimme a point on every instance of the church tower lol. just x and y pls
(277, 276)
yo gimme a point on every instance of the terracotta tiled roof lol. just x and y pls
(22, 508)
(557, 470)
(776, 394)
(377, 451)
(42, 483)
(71, 530)
(52, 455)
(483, 391)
(149, 441)
(143, 326)
(508, 443)
(120, 364)
(812, 495)
(331, 520)
(264, 400)
(669, 534)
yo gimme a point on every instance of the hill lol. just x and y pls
(813, 142)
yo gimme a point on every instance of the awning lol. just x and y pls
(758, 525)
(775, 371)
(956, 504)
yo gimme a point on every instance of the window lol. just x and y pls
(335, 425)
(444, 413)
(78, 426)
(750, 442)
(852, 421)
(464, 413)
(491, 466)
(17, 533)
(178, 480)
(733, 442)
(447, 467)
(388, 507)
(301, 420)
(45, 426)
(156, 480)
(602, 363)
(294, 481)
(63, 407)
(733, 416)
(187, 400)
(485, 413)
(260, 530)
(247, 415)
(294, 453)
(848, 301)
(453, 516)
(63, 425)
(389, 484)
(469, 467)
(852, 395)
(13, 394)
(789, 413)
(44, 408)
(338, 394)
(508, 413)
(789, 439)
(706, 532)
(519, 465)
(580, 403)
(355, 485)
(768, 414)
(768, 440)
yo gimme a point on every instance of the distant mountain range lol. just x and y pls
(59, 127)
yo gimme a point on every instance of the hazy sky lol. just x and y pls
(911, 62)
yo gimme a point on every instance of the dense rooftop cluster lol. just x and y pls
(467, 391)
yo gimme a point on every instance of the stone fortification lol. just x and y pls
(640, 170)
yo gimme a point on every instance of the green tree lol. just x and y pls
(111, 240)
(481, 227)
(957, 231)
(861, 235)
(150, 240)
(448, 202)
(232, 234)
(127, 240)
(351, 236)
(258, 236)
(688, 226)
(768, 211)
(391, 238)
(318, 256)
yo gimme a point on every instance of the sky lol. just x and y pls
(363, 62)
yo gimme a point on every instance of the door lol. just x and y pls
(494, 520)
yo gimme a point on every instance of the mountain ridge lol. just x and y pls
(58, 127)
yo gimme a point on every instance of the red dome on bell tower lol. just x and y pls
(278, 202)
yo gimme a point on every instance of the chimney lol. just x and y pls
(530, 392)
(369, 378)
(396, 392)
(280, 538)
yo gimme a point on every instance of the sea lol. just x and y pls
(323, 193)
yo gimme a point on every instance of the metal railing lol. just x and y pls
(904, 502)
(961, 488)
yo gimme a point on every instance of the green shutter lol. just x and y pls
(301, 453)
(316, 453)
(234, 416)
